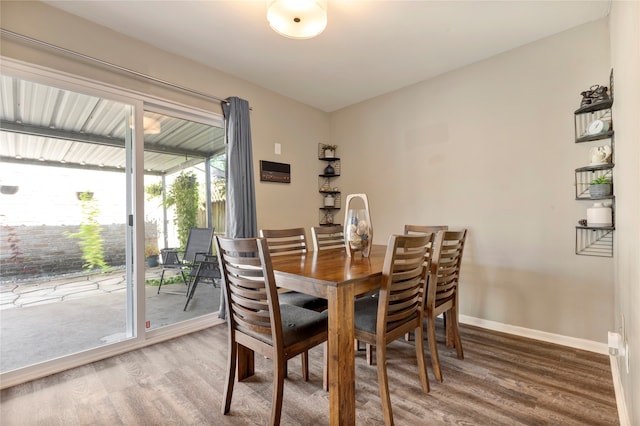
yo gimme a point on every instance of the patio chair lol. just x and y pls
(207, 268)
(199, 245)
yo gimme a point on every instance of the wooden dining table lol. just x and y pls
(332, 275)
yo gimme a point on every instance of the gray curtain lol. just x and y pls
(241, 193)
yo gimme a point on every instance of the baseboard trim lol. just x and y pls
(572, 342)
(623, 414)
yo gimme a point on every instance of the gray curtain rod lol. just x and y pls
(109, 64)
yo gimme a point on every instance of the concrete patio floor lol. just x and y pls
(47, 319)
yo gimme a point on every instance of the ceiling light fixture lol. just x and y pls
(298, 19)
(151, 126)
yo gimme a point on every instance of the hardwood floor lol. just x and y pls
(503, 380)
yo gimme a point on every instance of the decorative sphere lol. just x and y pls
(362, 227)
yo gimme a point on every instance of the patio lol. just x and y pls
(47, 319)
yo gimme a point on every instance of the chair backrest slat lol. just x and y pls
(424, 229)
(252, 299)
(446, 265)
(285, 241)
(327, 237)
(403, 279)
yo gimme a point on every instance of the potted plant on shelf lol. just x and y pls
(151, 255)
(600, 187)
(329, 150)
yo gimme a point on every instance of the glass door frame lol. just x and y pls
(135, 218)
(189, 114)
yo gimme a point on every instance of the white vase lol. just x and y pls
(599, 215)
(329, 201)
(329, 153)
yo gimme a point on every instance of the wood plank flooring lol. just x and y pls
(503, 380)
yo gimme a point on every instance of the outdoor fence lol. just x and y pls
(28, 252)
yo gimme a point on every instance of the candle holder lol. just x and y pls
(358, 231)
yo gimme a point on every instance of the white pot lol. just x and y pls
(599, 215)
(329, 153)
(329, 201)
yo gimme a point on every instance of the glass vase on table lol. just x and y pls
(358, 231)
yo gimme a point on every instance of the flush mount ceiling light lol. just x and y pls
(298, 19)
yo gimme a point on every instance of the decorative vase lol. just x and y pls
(600, 155)
(329, 153)
(358, 230)
(329, 170)
(329, 200)
(599, 215)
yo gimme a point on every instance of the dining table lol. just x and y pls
(339, 278)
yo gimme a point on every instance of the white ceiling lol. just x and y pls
(368, 48)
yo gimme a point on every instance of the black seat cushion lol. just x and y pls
(297, 324)
(366, 314)
(303, 300)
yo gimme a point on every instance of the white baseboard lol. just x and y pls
(572, 342)
(623, 414)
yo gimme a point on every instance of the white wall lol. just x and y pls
(490, 147)
(625, 57)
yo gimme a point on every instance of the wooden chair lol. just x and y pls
(421, 229)
(256, 317)
(425, 229)
(399, 308)
(327, 237)
(290, 241)
(442, 293)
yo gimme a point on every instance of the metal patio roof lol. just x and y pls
(44, 125)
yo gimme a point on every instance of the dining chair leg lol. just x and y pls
(448, 330)
(455, 330)
(433, 349)
(369, 352)
(231, 376)
(383, 385)
(279, 367)
(305, 366)
(325, 370)
(422, 365)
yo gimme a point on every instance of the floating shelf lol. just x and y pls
(585, 175)
(594, 241)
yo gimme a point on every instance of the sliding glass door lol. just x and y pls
(66, 259)
(184, 183)
(94, 182)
